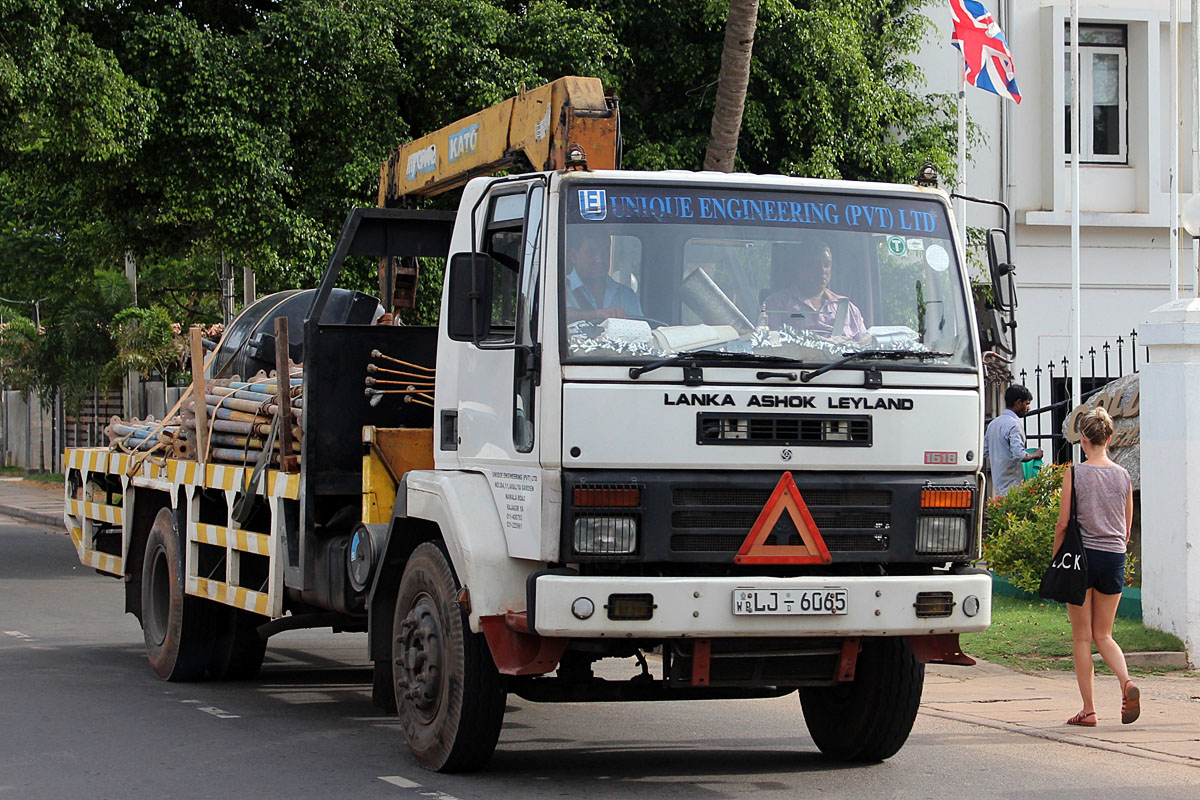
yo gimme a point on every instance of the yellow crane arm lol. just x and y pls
(534, 130)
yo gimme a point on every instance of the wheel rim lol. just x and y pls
(159, 611)
(418, 663)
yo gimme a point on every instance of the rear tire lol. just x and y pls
(869, 718)
(449, 695)
(239, 651)
(179, 629)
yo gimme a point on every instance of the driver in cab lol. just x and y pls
(806, 301)
(592, 294)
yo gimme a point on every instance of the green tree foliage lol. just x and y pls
(18, 351)
(831, 92)
(178, 132)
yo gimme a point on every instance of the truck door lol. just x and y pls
(499, 388)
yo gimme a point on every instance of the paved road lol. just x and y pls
(81, 716)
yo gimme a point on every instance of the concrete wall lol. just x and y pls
(26, 429)
(26, 434)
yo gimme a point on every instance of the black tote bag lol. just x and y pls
(1065, 579)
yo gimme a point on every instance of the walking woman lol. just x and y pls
(1104, 510)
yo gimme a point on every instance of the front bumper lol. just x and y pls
(703, 607)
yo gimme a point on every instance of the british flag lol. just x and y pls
(978, 36)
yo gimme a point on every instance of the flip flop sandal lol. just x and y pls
(1086, 720)
(1131, 703)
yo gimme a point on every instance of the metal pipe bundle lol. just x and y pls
(141, 434)
(239, 415)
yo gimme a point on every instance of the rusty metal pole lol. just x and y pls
(198, 394)
(283, 394)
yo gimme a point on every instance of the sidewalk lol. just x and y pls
(1032, 703)
(33, 503)
(1039, 704)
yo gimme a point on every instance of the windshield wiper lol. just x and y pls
(867, 355)
(691, 372)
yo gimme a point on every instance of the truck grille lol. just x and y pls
(790, 430)
(717, 519)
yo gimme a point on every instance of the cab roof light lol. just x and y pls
(607, 496)
(947, 498)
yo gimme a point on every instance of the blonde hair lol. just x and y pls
(1096, 425)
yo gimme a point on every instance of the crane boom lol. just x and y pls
(533, 131)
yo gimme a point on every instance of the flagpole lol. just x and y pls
(1076, 357)
(1173, 179)
(961, 210)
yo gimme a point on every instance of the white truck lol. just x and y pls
(728, 427)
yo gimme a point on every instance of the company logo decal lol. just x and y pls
(463, 143)
(593, 204)
(421, 162)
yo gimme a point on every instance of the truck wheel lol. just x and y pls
(179, 629)
(869, 718)
(449, 695)
(238, 652)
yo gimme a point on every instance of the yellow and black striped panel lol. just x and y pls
(230, 595)
(91, 558)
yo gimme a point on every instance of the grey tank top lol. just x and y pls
(1100, 506)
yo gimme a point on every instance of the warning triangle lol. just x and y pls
(756, 549)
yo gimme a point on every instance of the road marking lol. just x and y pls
(218, 713)
(22, 636)
(404, 783)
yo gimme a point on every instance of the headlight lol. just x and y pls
(943, 535)
(605, 535)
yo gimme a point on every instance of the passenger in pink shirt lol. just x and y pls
(807, 303)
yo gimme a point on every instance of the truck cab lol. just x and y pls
(732, 420)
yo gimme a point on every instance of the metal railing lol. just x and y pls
(1052, 385)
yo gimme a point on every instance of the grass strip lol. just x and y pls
(1030, 634)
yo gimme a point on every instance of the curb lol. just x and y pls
(40, 517)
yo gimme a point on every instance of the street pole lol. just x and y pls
(226, 290)
(248, 287)
(1076, 360)
(1195, 98)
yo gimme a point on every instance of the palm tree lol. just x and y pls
(731, 86)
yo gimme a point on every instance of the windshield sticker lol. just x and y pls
(937, 258)
(897, 246)
(916, 245)
(827, 212)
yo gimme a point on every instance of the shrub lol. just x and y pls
(1020, 530)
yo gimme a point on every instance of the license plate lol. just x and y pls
(749, 602)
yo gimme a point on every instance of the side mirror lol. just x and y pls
(1000, 268)
(470, 297)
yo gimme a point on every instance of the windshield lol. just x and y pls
(649, 271)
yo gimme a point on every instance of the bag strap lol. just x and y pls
(1073, 493)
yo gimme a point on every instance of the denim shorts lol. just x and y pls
(1105, 571)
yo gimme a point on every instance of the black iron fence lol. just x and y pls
(1052, 385)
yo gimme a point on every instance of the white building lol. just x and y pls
(1125, 207)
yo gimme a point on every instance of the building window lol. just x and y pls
(1103, 60)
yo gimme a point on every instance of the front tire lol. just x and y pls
(869, 718)
(179, 629)
(449, 695)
